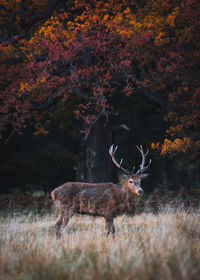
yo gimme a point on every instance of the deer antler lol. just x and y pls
(142, 167)
(112, 152)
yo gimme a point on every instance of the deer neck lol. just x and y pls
(127, 197)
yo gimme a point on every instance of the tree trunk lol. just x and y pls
(81, 167)
(98, 163)
(94, 164)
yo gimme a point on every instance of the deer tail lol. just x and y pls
(53, 195)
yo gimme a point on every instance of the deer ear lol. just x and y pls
(142, 176)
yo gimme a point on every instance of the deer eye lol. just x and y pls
(131, 181)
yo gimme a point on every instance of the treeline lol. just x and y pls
(77, 76)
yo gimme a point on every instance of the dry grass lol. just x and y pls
(147, 246)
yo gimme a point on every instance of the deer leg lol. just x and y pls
(61, 222)
(67, 214)
(58, 227)
(66, 217)
(110, 228)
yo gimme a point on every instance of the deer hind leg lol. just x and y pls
(58, 227)
(63, 221)
(67, 215)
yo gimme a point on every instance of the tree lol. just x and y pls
(92, 50)
(179, 66)
(80, 60)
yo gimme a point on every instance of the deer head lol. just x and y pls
(133, 179)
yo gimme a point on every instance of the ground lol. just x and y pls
(165, 245)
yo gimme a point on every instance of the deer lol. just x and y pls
(106, 200)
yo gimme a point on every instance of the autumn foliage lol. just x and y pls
(93, 48)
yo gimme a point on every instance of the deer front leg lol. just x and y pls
(110, 228)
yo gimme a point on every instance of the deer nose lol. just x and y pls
(140, 191)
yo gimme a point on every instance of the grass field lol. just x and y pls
(165, 245)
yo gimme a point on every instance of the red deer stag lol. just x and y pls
(107, 200)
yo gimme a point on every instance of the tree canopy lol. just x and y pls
(90, 55)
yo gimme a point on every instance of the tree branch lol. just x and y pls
(10, 136)
(43, 15)
(26, 25)
(51, 100)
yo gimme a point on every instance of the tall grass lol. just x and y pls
(165, 245)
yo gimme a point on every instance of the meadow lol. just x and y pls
(161, 245)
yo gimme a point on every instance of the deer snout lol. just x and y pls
(140, 192)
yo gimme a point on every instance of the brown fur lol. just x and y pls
(104, 199)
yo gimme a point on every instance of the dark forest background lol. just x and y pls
(32, 161)
(44, 162)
